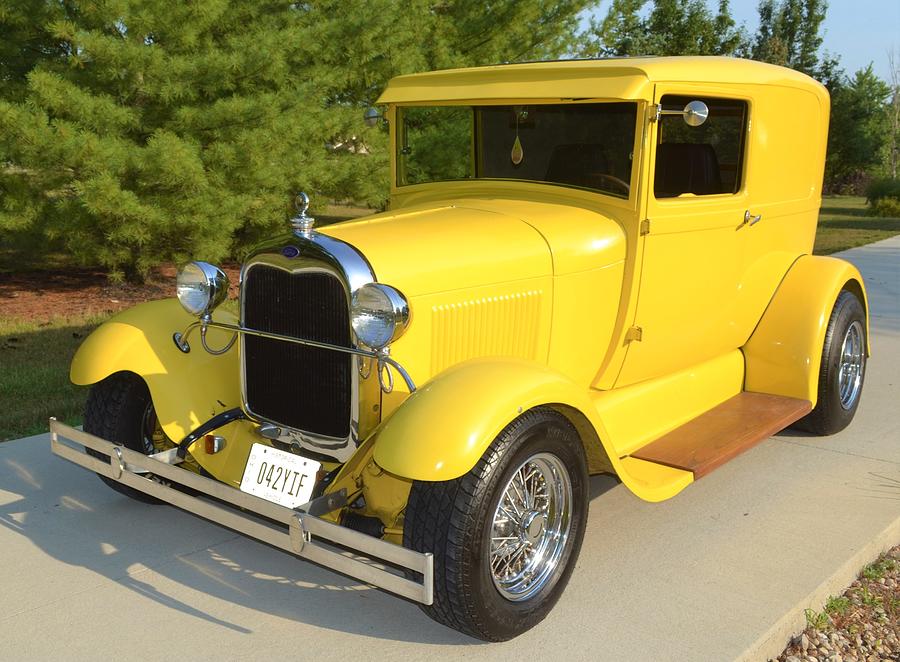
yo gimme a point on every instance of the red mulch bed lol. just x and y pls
(77, 293)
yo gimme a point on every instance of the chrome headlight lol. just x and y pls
(379, 314)
(201, 287)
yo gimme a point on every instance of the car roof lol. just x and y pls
(613, 78)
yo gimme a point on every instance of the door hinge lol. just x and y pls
(645, 226)
(635, 334)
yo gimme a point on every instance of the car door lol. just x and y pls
(689, 301)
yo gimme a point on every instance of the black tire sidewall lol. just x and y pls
(829, 416)
(116, 411)
(505, 618)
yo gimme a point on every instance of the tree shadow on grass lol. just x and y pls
(34, 379)
(844, 211)
(871, 223)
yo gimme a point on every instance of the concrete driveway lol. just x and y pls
(720, 572)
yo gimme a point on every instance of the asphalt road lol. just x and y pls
(88, 574)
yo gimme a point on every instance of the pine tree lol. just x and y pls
(621, 32)
(139, 131)
(731, 39)
(23, 40)
(809, 41)
(159, 130)
(790, 34)
(672, 27)
(858, 130)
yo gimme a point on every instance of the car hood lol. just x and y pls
(470, 243)
(431, 250)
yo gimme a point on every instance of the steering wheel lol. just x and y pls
(615, 181)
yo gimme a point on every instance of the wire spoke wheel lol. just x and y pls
(530, 527)
(850, 372)
(842, 368)
(506, 534)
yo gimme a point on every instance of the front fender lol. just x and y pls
(441, 430)
(187, 389)
(783, 356)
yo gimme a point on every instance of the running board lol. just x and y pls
(724, 432)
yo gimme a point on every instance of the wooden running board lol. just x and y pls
(710, 440)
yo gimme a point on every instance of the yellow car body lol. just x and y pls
(628, 313)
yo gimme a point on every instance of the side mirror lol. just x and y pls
(694, 114)
(371, 117)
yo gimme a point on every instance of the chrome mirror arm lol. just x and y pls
(695, 113)
(215, 352)
(181, 339)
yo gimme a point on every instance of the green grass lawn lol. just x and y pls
(843, 224)
(34, 375)
(35, 357)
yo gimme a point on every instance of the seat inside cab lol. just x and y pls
(700, 160)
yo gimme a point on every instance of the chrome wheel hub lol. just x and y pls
(530, 528)
(850, 371)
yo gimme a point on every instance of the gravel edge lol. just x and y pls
(861, 625)
(772, 642)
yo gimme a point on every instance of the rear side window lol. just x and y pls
(702, 160)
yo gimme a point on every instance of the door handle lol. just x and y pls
(749, 219)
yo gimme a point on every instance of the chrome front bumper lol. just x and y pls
(294, 531)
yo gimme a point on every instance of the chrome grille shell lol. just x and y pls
(316, 253)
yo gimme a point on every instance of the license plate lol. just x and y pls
(280, 477)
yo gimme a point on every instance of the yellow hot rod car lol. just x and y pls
(587, 266)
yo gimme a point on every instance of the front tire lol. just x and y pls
(119, 409)
(842, 369)
(505, 536)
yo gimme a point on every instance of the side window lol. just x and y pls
(703, 160)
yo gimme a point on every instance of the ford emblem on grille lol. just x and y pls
(290, 251)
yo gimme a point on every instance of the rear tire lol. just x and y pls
(501, 562)
(119, 409)
(842, 369)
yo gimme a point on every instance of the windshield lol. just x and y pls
(585, 145)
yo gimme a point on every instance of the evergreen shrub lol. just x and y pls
(887, 208)
(885, 187)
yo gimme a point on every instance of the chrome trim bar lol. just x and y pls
(294, 531)
(181, 340)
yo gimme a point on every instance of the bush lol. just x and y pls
(853, 182)
(886, 187)
(886, 208)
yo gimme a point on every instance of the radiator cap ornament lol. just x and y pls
(301, 222)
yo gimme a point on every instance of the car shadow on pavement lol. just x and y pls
(180, 561)
(601, 484)
(884, 484)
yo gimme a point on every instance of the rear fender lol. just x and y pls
(442, 429)
(783, 355)
(187, 389)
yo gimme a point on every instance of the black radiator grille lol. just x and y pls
(306, 388)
